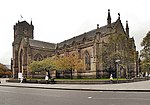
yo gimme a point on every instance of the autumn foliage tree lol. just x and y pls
(4, 71)
(61, 63)
(70, 62)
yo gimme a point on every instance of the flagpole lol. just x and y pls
(21, 17)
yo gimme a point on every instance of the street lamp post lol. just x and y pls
(117, 62)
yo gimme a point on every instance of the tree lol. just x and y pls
(4, 71)
(118, 47)
(46, 64)
(34, 66)
(63, 63)
(3, 67)
(70, 62)
(111, 50)
(145, 53)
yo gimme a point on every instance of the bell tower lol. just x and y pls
(21, 30)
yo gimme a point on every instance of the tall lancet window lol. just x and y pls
(87, 61)
(21, 60)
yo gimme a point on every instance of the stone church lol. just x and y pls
(87, 45)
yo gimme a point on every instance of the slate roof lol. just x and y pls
(41, 44)
(92, 33)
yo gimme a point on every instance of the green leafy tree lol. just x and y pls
(117, 47)
(34, 66)
(111, 50)
(46, 64)
(145, 53)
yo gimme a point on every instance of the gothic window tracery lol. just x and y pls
(87, 61)
(38, 57)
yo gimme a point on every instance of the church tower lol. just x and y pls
(21, 30)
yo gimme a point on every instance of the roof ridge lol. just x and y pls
(41, 44)
(42, 41)
(86, 33)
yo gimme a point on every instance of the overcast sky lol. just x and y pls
(57, 20)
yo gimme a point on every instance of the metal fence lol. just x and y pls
(87, 74)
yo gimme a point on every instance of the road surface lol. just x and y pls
(32, 96)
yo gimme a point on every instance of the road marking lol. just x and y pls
(89, 97)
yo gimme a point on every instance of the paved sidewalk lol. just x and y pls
(143, 86)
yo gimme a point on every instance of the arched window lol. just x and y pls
(73, 43)
(38, 57)
(79, 52)
(87, 61)
(84, 39)
(21, 60)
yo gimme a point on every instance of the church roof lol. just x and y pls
(87, 35)
(92, 33)
(41, 44)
